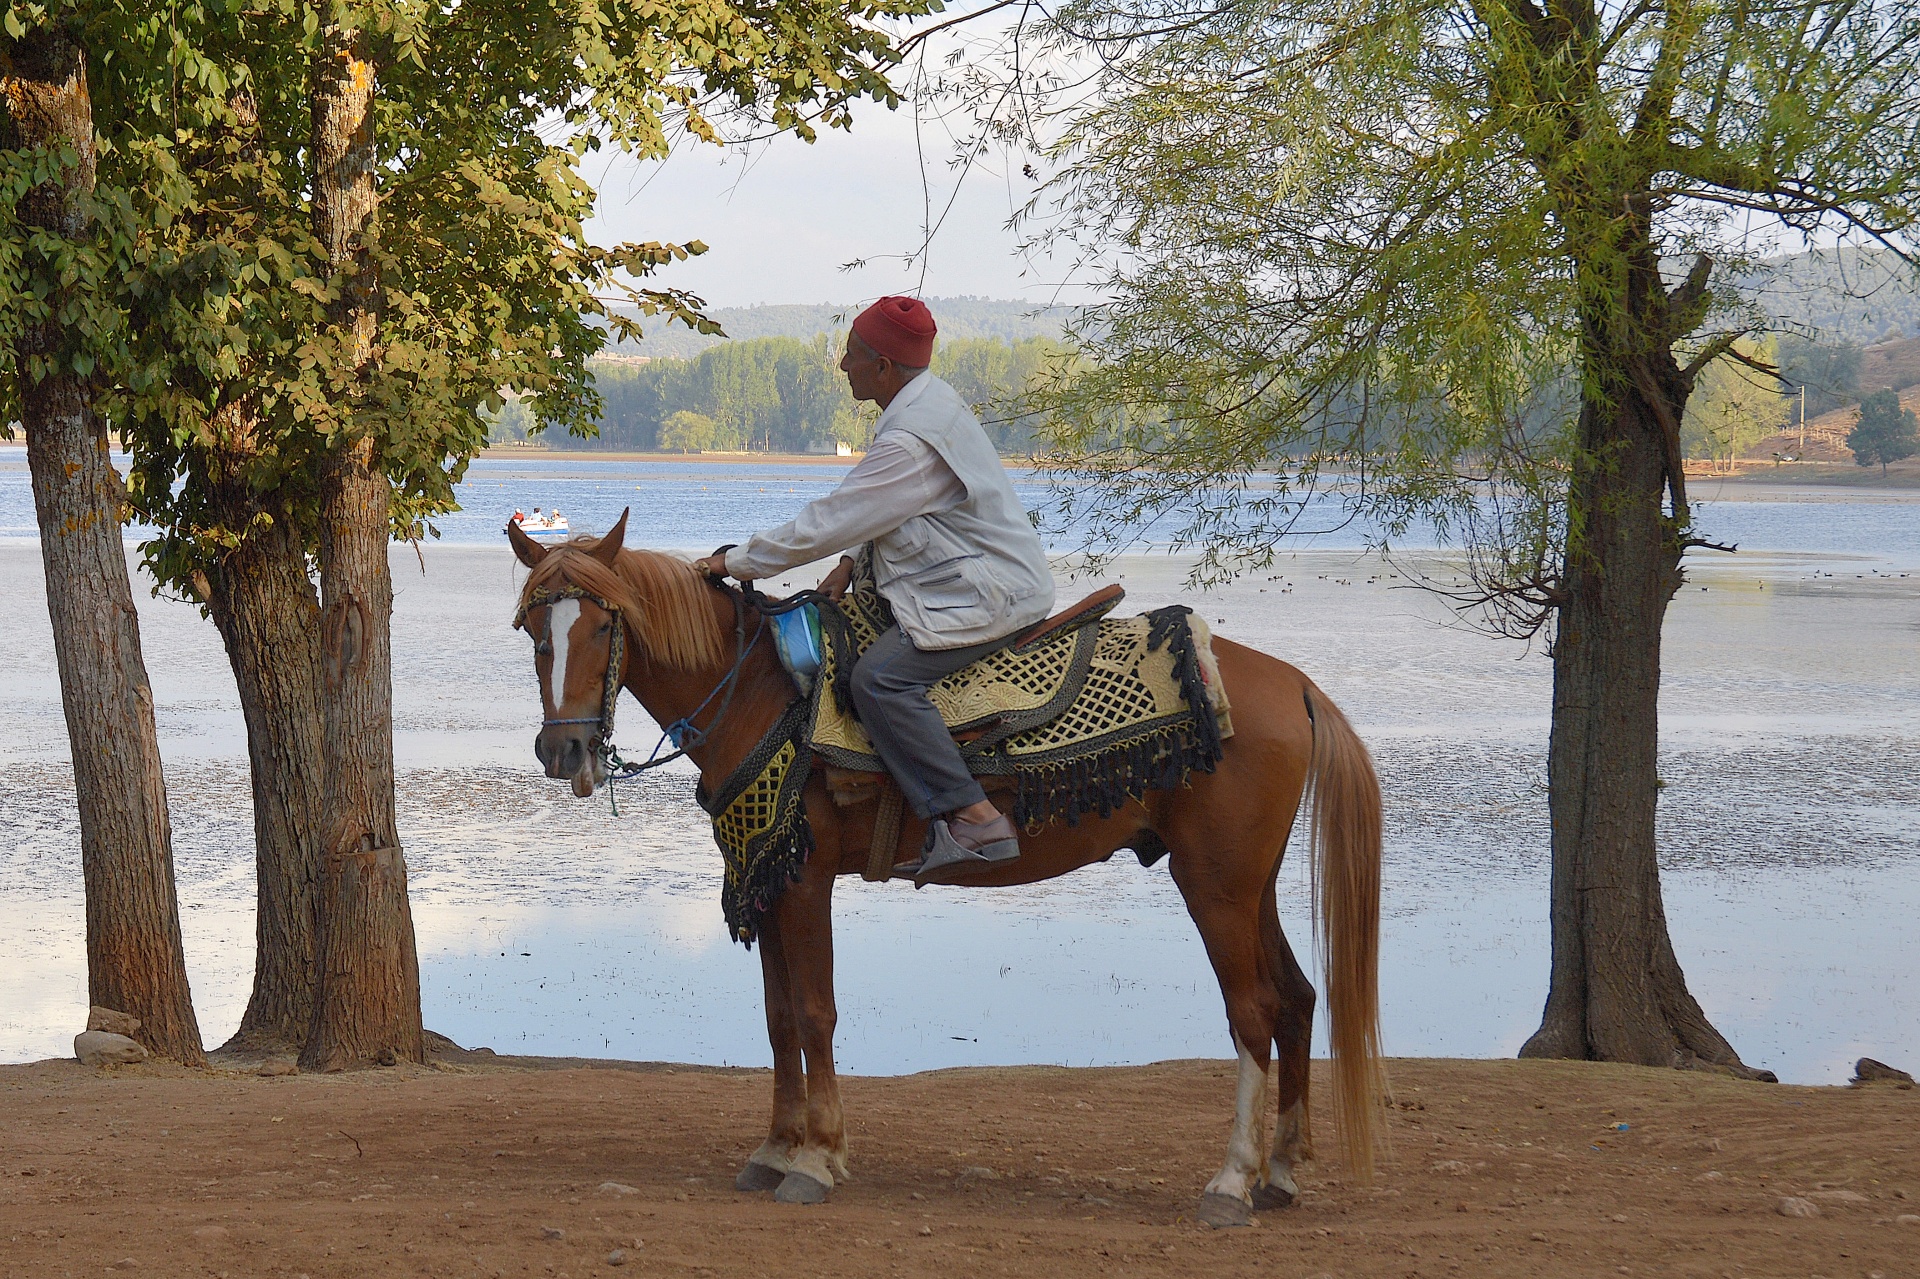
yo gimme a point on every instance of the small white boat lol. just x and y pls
(552, 525)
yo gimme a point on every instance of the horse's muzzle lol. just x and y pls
(563, 750)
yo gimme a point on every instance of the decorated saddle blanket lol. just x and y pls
(1083, 719)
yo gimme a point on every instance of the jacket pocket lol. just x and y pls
(959, 591)
(913, 548)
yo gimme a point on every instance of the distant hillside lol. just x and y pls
(1853, 296)
(957, 318)
(1835, 296)
(1893, 366)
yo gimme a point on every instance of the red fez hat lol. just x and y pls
(901, 329)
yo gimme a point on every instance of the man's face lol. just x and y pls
(866, 372)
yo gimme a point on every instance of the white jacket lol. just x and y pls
(954, 553)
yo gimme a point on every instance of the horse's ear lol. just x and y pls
(609, 546)
(525, 548)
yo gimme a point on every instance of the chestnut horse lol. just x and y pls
(1224, 832)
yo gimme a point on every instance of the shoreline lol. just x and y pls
(1818, 476)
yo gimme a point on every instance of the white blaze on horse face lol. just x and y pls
(560, 620)
(1237, 1179)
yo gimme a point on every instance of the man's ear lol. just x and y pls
(528, 551)
(609, 546)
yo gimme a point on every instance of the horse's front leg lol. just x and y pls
(767, 1167)
(806, 934)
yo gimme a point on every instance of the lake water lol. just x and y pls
(1790, 742)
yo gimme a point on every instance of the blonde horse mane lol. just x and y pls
(666, 601)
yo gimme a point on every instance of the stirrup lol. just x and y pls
(947, 859)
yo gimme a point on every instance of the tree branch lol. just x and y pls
(922, 36)
(1687, 302)
(1669, 430)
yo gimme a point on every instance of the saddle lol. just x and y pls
(1082, 713)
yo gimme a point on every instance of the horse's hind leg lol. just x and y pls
(1293, 1038)
(1230, 928)
(768, 1166)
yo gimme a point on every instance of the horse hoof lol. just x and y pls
(1222, 1211)
(1270, 1196)
(798, 1188)
(758, 1176)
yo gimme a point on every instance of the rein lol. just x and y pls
(681, 732)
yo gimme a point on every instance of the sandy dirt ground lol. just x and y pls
(1498, 1168)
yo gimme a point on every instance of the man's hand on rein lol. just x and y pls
(714, 565)
(834, 585)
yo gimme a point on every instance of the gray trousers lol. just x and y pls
(890, 683)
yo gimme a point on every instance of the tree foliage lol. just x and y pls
(1885, 432)
(685, 431)
(1735, 403)
(1830, 373)
(1399, 241)
(205, 294)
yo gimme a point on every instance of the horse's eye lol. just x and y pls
(604, 628)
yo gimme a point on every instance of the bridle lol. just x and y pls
(682, 732)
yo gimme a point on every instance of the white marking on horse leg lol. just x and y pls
(560, 620)
(1237, 1178)
(1289, 1149)
(812, 1161)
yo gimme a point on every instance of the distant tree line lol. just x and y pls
(784, 395)
(960, 317)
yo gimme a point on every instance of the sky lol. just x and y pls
(781, 219)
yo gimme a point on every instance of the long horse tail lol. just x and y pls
(1346, 889)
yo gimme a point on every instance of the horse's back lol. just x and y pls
(1268, 697)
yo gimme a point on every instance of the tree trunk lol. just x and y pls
(368, 1006)
(1617, 992)
(135, 961)
(265, 608)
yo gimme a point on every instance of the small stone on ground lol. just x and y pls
(104, 1048)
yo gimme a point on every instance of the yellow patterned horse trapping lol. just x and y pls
(1082, 720)
(760, 823)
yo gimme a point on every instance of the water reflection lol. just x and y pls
(1791, 739)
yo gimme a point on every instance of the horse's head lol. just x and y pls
(573, 614)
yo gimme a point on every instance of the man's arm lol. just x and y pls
(899, 478)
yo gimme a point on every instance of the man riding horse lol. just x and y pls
(953, 553)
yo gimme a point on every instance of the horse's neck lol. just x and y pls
(672, 693)
(760, 692)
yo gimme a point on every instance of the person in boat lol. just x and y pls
(518, 516)
(953, 553)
